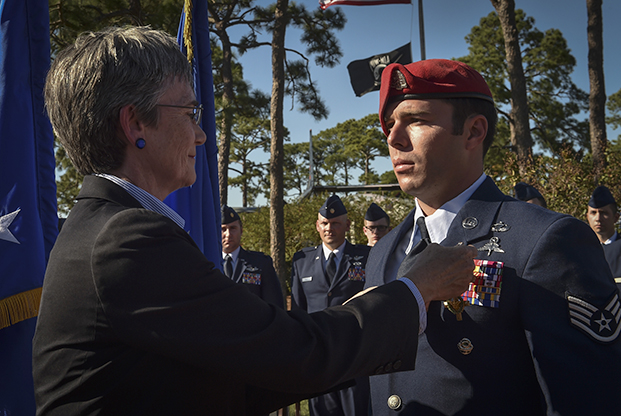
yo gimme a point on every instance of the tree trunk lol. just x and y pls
(245, 182)
(597, 95)
(520, 137)
(227, 112)
(277, 216)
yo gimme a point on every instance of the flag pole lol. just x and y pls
(421, 30)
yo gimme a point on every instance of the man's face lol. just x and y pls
(430, 162)
(375, 230)
(332, 231)
(231, 236)
(602, 221)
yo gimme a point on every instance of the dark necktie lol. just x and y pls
(424, 234)
(331, 267)
(422, 244)
(228, 266)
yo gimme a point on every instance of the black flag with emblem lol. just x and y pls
(366, 74)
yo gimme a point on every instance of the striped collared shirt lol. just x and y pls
(147, 200)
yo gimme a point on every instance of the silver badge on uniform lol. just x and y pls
(500, 227)
(492, 246)
(601, 324)
(469, 223)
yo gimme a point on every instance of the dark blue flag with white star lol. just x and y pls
(28, 218)
(199, 204)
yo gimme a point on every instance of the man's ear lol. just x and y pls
(476, 127)
(132, 127)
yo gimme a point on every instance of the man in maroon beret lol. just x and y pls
(538, 327)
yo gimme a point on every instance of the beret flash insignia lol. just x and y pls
(398, 81)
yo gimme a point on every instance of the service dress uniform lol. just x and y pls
(601, 198)
(312, 291)
(255, 271)
(252, 269)
(539, 331)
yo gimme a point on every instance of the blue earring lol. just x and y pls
(140, 143)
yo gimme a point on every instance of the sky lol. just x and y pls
(372, 30)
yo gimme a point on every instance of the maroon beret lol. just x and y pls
(432, 78)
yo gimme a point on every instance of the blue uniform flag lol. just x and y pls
(28, 218)
(199, 204)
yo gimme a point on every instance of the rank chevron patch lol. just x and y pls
(600, 324)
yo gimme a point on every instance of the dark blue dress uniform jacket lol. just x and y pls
(528, 358)
(612, 252)
(255, 271)
(311, 291)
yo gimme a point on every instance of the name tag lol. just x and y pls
(307, 279)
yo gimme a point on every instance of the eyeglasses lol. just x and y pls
(377, 228)
(197, 114)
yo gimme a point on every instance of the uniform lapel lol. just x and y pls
(317, 267)
(474, 221)
(392, 240)
(240, 266)
(343, 267)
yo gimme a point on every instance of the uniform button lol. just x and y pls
(394, 402)
(329, 293)
(397, 365)
(380, 370)
(388, 368)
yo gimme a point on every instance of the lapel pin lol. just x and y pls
(465, 346)
(500, 227)
(469, 223)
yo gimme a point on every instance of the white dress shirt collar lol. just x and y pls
(234, 254)
(338, 252)
(439, 222)
(612, 239)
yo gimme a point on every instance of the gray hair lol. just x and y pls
(90, 81)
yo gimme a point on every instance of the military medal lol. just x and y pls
(455, 305)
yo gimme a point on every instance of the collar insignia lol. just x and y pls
(469, 223)
(500, 227)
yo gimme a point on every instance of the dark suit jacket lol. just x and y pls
(528, 358)
(310, 290)
(255, 271)
(612, 252)
(134, 320)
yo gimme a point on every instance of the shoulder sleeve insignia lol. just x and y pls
(601, 324)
